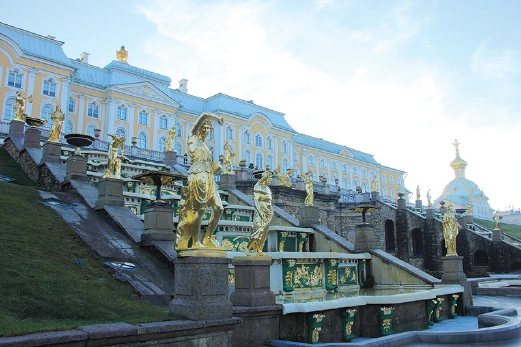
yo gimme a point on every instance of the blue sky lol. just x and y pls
(398, 79)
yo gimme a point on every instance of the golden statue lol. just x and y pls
(284, 179)
(276, 172)
(418, 196)
(262, 215)
(19, 105)
(57, 118)
(114, 164)
(450, 231)
(469, 209)
(374, 185)
(122, 55)
(496, 219)
(228, 159)
(429, 202)
(308, 182)
(170, 139)
(201, 190)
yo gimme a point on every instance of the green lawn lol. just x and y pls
(510, 229)
(41, 287)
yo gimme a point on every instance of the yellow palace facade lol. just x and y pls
(142, 106)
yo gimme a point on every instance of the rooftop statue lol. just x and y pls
(19, 105)
(450, 231)
(308, 182)
(114, 164)
(418, 195)
(228, 159)
(201, 190)
(429, 202)
(170, 139)
(284, 180)
(122, 55)
(57, 118)
(262, 215)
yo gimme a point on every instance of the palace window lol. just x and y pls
(68, 128)
(384, 191)
(120, 132)
(229, 133)
(285, 166)
(72, 105)
(180, 130)
(93, 110)
(143, 118)
(49, 87)
(46, 114)
(344, 168)
(258, 140)
(364, 173)
(384, 178)
(90, 130)
(14, 79)
(162, 144)
(399, 181)
(346, 183)
(269, 143)
(142, 140)
(269, 162)
(284, 148)
(247, 156)
(311, 160)
(295, 156)
(393, 195)
(391, 179)
(163, 123)
(333, 165)
(323, 163)
(121, 113)
(178, 147)
(247, 137)
(8, 109)
(211, 135)
(259, 161)
(355, 171)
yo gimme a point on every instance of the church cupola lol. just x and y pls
(458, 164)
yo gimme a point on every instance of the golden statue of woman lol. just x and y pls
(57, 118)
(284, 179)
(201, 190)
(228, 159)
(170, 139)
(262, 215)
(450, 231)
(19, 105)
(114, 164)
(308, 183)
(374, 184)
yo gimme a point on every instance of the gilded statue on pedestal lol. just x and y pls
(450, 231)
(374, 184)
(284, 180)
(262, 215)
(228, 158)
(122, 55)
(418, 195)
(57, 118)
(469, 209)
(429, 202)
(201, 190)
(308, 183)
(170, 139)
(114, 164)
(19, 105)
(496, 219)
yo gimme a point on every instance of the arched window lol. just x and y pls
(285, 165)
(384, 191)
(258, 140)
(46, 114)
(364, 173)
(69, 127)
(389, 236)
(417, 242)
(49, 87)
(480, 258)
(355, 171)
(295, 156)
(8, 109)
(163, 123)
(269, 143)
(247, 137)
(121, 113)
(15, 79)
(366, 187)
(284, 148)
(90, 130)
(179, 128)
(269, 162)
(120, 132)
(178, 147)
(229, 133)
(72, 105)
(296, 172)
(143, 118)
(391, 179)
(344, 168)
(323, 163)
(384, 178)
(311, 160)
(142, 140)
(247, 156)
(333, 165)
(162, 144)
(259, 161)
(346, 183)
(93, 110)
(393, 195)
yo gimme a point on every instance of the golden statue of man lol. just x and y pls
(262, 215)
(450, 231)
(114, 164)
(201, 190)
(19, 105)
(308, 183)
(284, 180)
(170, 139)
(228, 159)
(122, 55)
(57, 118)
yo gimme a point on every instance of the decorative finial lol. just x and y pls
(456, 145)
(122, 55)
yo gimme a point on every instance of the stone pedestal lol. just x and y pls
(401, 204)
(308, 216)
(274, 180)
(497, 235)
(469, 219)
(252, 281)
(227, 181)
(51, 152)
(158, 223)
(364, 237)
(325, 189)
(429, 213)
(170, 158)
(300, 185)
(375, 196)
(16, 128)
(453, 274)
(32, 138)
(419, 204)
(201, 288)
(76, 168)
(241, 175)
(110, 192)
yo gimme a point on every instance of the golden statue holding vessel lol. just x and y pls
(262, 215)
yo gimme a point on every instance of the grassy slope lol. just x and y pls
(510, 229)
(40, 285)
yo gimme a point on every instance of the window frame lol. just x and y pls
(15, 73)
(49, 87)
(93, 109)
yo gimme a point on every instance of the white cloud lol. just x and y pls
(493, 65)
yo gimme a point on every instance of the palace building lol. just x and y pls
(142, 106)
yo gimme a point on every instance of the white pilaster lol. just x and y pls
(111, 115)
(81, 114)
(30, 89)
(131, 120)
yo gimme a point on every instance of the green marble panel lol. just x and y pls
(347, 276)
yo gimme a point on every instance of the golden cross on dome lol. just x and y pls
(456, 145)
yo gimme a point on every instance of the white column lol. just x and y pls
(110, 117)
(30, 90)
(304, 160)
(81, 114)
(240, 140)
(131, 121)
